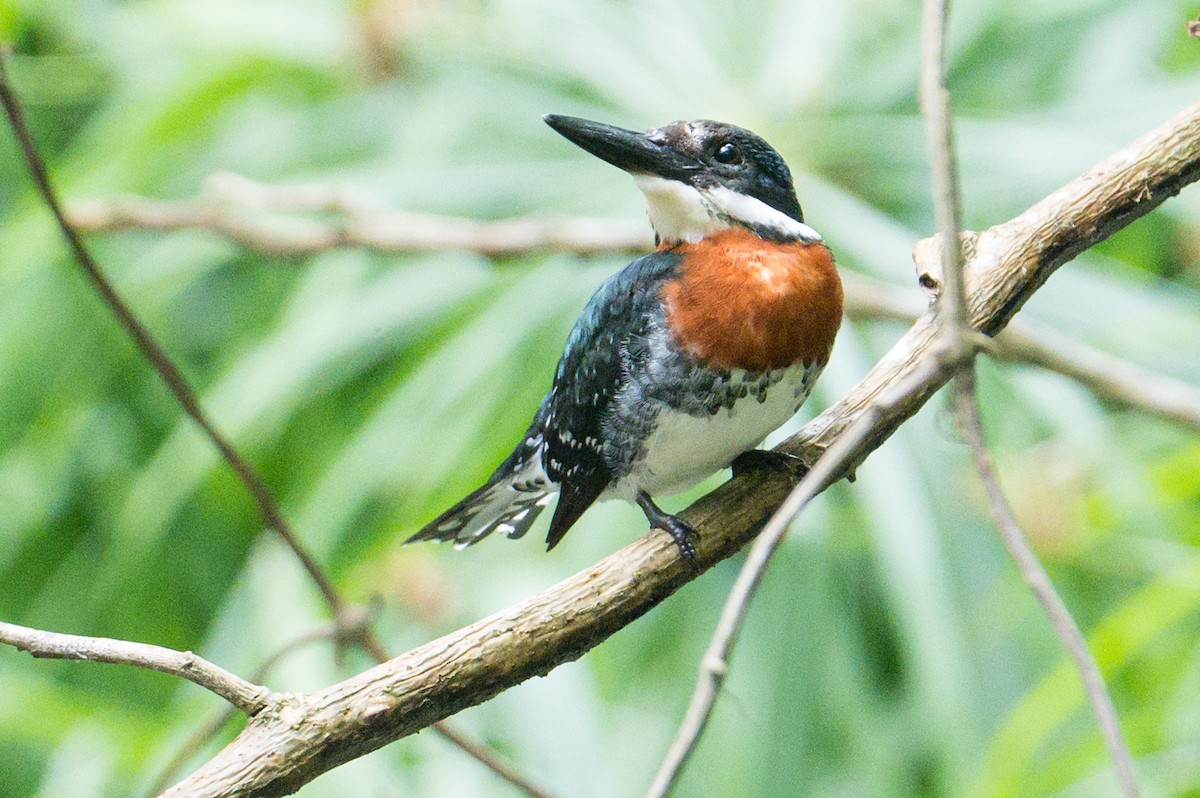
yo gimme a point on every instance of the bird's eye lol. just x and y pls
(728, 153)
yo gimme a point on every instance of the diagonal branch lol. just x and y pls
(1108, 377)
(249, 698)
(149, 346)
(966, 411)
(283, 748)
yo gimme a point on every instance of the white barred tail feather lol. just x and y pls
(507, 503)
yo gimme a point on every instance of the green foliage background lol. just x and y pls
(893, 651)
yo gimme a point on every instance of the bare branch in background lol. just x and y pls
(241, 209)
(252, 214)
(956, 334)
(1108, 377)
(277, 752)
(349, 620)
(249, 698)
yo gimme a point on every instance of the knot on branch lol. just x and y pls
(926, 256)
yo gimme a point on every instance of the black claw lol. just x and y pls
(769, 460)
(680, 531)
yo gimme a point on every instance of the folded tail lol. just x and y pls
(508, 502)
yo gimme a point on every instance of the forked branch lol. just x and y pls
(249, 698)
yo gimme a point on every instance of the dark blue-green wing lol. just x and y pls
(563, 444)
(590, 374)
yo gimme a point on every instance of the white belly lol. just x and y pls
(684, 449)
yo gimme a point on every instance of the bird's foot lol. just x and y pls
(680, 531)
(769, 460)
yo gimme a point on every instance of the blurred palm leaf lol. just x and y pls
(893, 651)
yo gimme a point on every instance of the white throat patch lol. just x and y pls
(679, 212)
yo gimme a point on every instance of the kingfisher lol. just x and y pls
(686, 359)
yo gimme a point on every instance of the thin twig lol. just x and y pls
(487, 756)
(346, 618)
(150, 348)
(935, 107)
(849, 447)
(1034, 574)
(244, 695)
(955, 329)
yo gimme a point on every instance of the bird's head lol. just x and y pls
(699, 177)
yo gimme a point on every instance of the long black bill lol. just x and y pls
(627, 149)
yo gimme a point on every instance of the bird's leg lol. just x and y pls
(769, 460)
(679, 530)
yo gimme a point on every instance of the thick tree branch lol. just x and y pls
(300, 736)
(247, 697)
(1109, 378)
